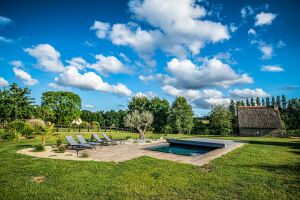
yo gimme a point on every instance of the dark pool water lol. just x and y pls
(185, 150)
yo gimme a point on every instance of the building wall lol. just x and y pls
(258, 132)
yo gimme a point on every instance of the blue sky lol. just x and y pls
(107, 52)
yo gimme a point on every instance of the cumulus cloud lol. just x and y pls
(149, 94)
(272, 68)
(48, 59)
(89, 81)
(108, 64)
(16, 63)
(24, 77)
(247, 11)
(251, 31)
(78, 62)
(201, 99)
(3, 82)
(247, 93)
(58, 87)
(88, 106)
(177, 34)
(264, 18)
(267, 51)
(211, 73)
(101, 28)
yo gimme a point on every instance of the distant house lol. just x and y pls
(258, 120)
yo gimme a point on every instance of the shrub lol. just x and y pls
(22, 128)
(10, 135)
(61, 149)
(39, 148)
(167, 129)
(59, 142)
(85, 154)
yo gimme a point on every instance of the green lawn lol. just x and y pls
(266, 168)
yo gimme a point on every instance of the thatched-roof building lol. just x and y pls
(258, 120)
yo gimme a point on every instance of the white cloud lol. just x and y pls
(272, 68)
(246, 11)
(5, 21)
(280, 44)
(3, 82)
(78, 62)
(264, 18)
(88, 106)
(108, 64)
(149, 94)
(58, 87)
(16, 63)
(89, 43)
(251, 31)
(89, 81)
(267, 51)
(177, 34)
(247, 93)
(101, 28)
(48, 59)
(233, 27)
(25, 77)
(211, 73)
(201, 99)
(5, 40)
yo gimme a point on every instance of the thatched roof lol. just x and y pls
(258, 117)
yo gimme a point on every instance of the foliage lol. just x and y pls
(21, 127)
(15, 103)
(10, 134)
(160, 109)
(59, 141)
(41, 129)
(61, 107)
(39, 148)
(182, 116)
(61, 149)
(199, 127)
(293, 114)
(167, 129)
(139, 103)
(220, 122)
(84, 154)
(139, 120)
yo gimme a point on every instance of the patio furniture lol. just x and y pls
(108, 139)
(74, 145)
(98, 139)
(82, 140)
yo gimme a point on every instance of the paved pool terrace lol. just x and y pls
(121, 153)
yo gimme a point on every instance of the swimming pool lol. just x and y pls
(185, 150)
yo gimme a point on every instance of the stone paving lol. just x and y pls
(120, 153)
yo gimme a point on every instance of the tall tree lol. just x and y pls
(220, 122)
(263, 102)
(278, 103)
(273, 101)
(242, 103)
(268, 101)
(62, 107)
(139, 103)
(232, 107)
(283, 102)
(181, 116)
(293, 114)
(247, 102)
(160, 109)
(16, 103)
(252, 102)
(258, 101)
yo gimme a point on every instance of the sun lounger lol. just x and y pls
(82, 140)
(74, 145)
(96, 137)
(112, 141)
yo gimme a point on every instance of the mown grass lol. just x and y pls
(266, 168)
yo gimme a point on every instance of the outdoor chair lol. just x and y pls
(82, 140)
(108, 139)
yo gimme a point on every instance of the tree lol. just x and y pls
(283, 103)
(220, 122)
(160, 109)
(199, 127)
(62, 107)
(40, 128)
(232, 107)
(139, 103)
(252, 102)
(247, 102)
(263, 102)
(278, 103)
(273, 101)
(293, 114)
(242, 103)
(258, 101)
(16, 103)
(267, 101)
(181, 116)
(139, 120)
